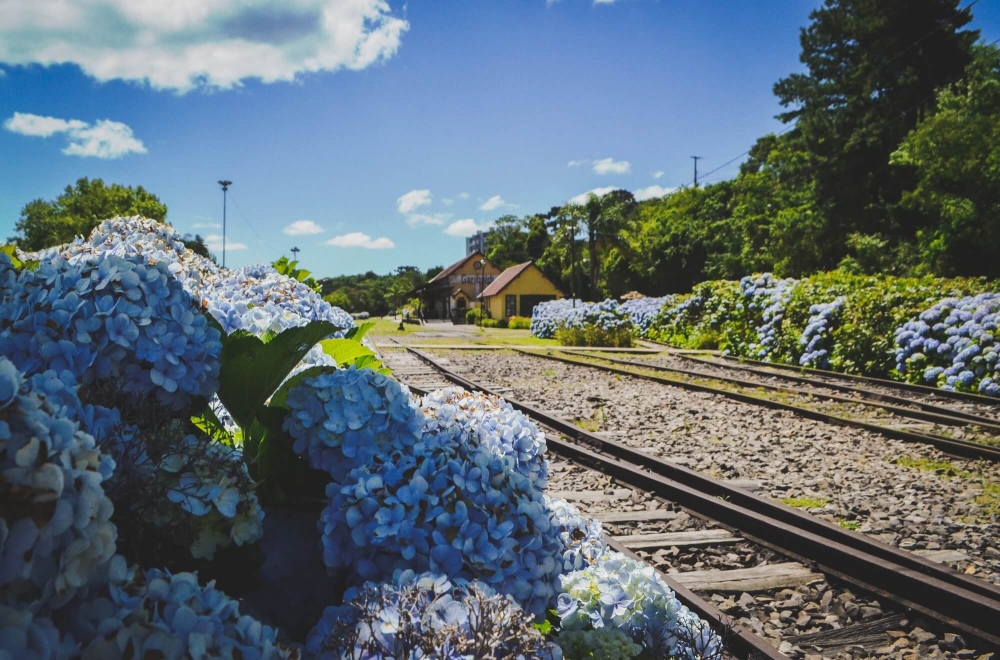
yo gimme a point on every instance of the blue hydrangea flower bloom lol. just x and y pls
(56, 530)
(953, 345)
(111, 318)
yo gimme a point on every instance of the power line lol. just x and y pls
(897, 56)
(244, 216)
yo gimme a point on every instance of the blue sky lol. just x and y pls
(385, 130)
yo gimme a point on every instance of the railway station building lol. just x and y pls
(455, 290)
(517, 291)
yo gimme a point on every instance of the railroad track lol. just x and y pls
(912, 421)
(916, 584)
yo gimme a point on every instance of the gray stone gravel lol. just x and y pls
(859, 411)
(850, 471)
(780, 616)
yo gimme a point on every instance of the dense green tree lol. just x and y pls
(955, 155)
(197, 245)
(559, 261)
(373, 293)
(776, 223)
(873, 67)
(538, 238)
(604, 217)
(507, 241)
(79, 209)
(671, 239)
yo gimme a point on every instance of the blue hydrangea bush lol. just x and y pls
(643, 313)
(816, 339)
(953, 345)
(63, 590)
(435, 505)
(427, 616)
(114, 320)
(552, 315)
(617, 592)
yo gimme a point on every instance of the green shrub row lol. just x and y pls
(592, 335)
(860, 339)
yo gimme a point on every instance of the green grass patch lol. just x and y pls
(852, 525)
(804, 502)
(549, 373)
(989, 500)
(931, 465)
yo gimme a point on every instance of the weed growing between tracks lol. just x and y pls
(804, 502)
(988, 500)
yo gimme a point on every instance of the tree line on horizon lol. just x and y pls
(890, 164)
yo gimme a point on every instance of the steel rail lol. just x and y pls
(843, 387)
(962, 448)
(911, 387)
(947, 417)
(908, 579)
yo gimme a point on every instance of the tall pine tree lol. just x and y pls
(873, 67)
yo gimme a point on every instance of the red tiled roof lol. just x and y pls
(455, 266)
(504, 279)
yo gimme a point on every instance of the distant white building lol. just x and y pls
(476, 243)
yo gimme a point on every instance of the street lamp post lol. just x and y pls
(225, 187)
(295, 253)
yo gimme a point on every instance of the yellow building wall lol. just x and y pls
(531, 282)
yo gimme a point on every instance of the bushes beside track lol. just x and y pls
(934, 331)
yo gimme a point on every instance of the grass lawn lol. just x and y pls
(459, 335)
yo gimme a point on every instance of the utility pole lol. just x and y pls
(225, 186)
(696, 159)
(295, 253)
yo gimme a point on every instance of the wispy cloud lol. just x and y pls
(358, 239)
(611, 166)
(214, 242)
(651, 192)
(104, 139)
(596, 192)
(303, 228)
(447, 201)
(466, 227)
(217, 44)
(576, 163)
(494, 202)
(206, 225)
(413, 200)
(657, 174)
(417, 219)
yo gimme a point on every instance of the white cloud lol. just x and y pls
(650, 192)
(657, 174)
(463, 195)
(611, 166)
(576, 163)
(356, 239)
(105, 139)
(210, 44)
(303, 228)
(413, 200)
(206, 225)
(597, 192)
(417, 219)
(214, 242)
(37, 126)
(447, 201)
(493, 202)
(604, 2)
(466, 227)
